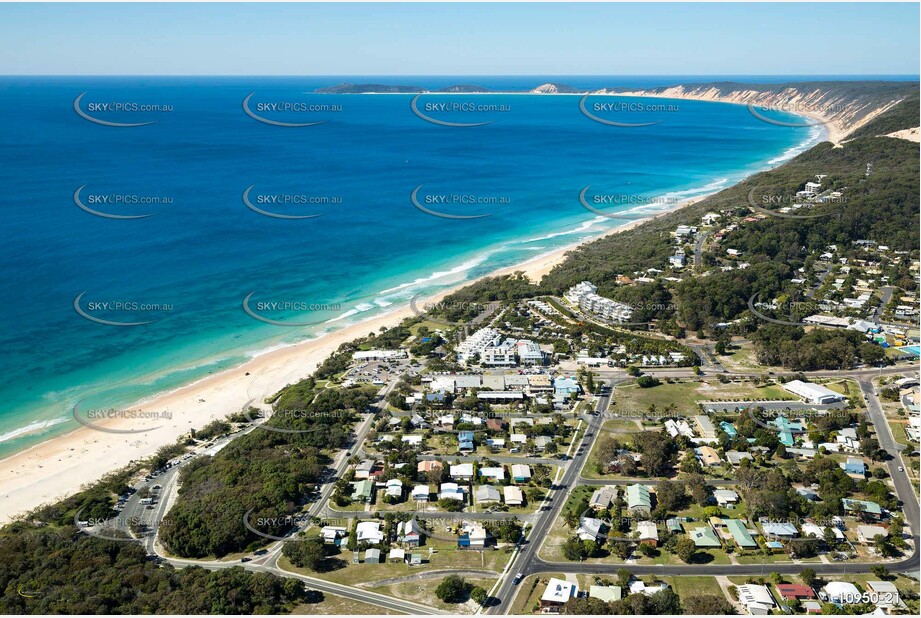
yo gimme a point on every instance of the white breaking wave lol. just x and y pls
(815, 136)
(585, 226)
(422, 281)
(31, 428)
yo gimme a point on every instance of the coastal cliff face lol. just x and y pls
(845, 110)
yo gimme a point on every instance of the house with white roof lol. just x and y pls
(496, 473)
(812, 393)
(557, 593)
(451, 491)
(394, 489)
(462, 472)
(589, 528)
(725, 497)
(521, 473)
(513, 495)
(840, 593)
(420, 493)
(758, 600)
(369, 532)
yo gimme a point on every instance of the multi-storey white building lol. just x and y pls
(477, 343)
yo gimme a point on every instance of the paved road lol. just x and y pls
(526, 558)
(646, 481)
(904, 488)
(504, 459)
(356, 594)
(529, 563)
(699, 249)
(268, 562)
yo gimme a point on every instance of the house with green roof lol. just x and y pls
(740, 534)
(855, 507)
(361, 491)
(704, 536)
(638, 500)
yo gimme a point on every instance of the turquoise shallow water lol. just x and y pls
(370, 249)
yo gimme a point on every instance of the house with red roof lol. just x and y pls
(795, 591)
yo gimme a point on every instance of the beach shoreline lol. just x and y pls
(61, 465)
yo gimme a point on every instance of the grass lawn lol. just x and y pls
(683, 396)
(690, 586)
(447, 556)
(742, 358)
(424, 592)
(779, 558)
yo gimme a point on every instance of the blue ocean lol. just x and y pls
(329, 233)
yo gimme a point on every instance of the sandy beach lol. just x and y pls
(60, 466)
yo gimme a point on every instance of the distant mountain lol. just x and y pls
(455, 89)
(465, 88)
(845, 105)
(369, 88)
(551, 88)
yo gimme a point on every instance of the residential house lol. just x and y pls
(462, 472)
(740, 534)
(373, 556)
(558, 592)
(798, 592)
(779, 530)
(602, 498)
(332, 534)
(421, 493)
(486, 493)
(648, 533)
(364, 468)
(362, 491)
(736, 457)
(708, 456)
(521, 473)
(409, 533)
(840, 593)
(369, 532)
(513, 495)
(465, 441)
(862, 507)
(605, 593)
(704, 537)
(638, 500)
(396, 555)
(428, 466)
(855, 467)
(565, 387)
(412, 439)
(394, 489)
(451, 491)
(589, 528)
(495, 474)
(758, 600)
(868, 534)
(725, 497)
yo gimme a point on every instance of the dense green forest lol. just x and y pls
(62, 571)
(267, 471)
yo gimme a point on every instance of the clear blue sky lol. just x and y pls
(460, 39)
